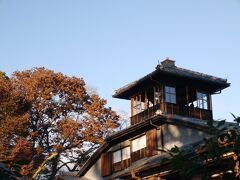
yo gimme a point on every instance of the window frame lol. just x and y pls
(120, 163)
(201, 102)
(170, 94)
(132, 147)
(137, 105)
(119, 150)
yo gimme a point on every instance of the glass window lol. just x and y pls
(138, 105)
(170, 94)
(126, 153)
(117, 156)
(121, 154)
(202, 100)
(139, 143)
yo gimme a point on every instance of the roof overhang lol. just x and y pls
(140, 128)
(179, 75)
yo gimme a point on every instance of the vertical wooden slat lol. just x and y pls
(154, 99)
(132, 106)
(152, 142)
(197, 98)
(146, 101)
(187, 99)
(200, 113)
(135, 105)
(162, 137)
(209, 102)
(162, 100)
(106, 164)
(210, 105)
(140, 102)
(210, 98)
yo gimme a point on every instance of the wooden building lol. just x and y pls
(169, 107)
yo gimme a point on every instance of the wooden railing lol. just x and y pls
(172, 109)
(121, 165)
(142, 153)
(200, 113)
(144, 114)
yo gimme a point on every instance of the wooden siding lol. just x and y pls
(145, 114)
(117, 166)
(126, 163)
(106, 164)
(137, 155)
(152, 142)
(121, 165)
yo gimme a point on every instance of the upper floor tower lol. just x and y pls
(172, 90)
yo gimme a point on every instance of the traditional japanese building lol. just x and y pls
(169, 106)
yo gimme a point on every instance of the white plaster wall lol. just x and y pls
(173, 135)
(180, 136)
(94, 173)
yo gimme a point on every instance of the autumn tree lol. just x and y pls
(48, 121)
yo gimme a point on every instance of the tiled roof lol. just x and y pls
(175, 71)
(141, 127)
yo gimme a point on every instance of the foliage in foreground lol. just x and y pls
(216, 157)
(48, 121)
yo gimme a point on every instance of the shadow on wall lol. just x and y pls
(180, 135)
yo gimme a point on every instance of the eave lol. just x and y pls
(216, 83)
(140, 128)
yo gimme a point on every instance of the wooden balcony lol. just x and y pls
(121, 165)
(172, 109)
(135, 156)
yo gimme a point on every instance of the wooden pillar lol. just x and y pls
(187, 100)
(151, 136)
(209, 99)
(145, 101)
(210, 104)
(162, 100)
(154, 99)
(132, 104)
(139, 103)
(161, 134)
(106, 164)
(197, 104)
(200, 113)
(136, 108)
(136, 103)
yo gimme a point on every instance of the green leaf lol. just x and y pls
(164, 160)
(221, 123)
(222, 137)
(233, 116)
(238, 140)
(210, 123)
(175, 150)
(236, 119)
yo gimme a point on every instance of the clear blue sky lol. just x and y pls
(110, 43)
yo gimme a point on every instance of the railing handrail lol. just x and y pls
(173, 109)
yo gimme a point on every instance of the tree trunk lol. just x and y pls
(42, 166)
(54, 168)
